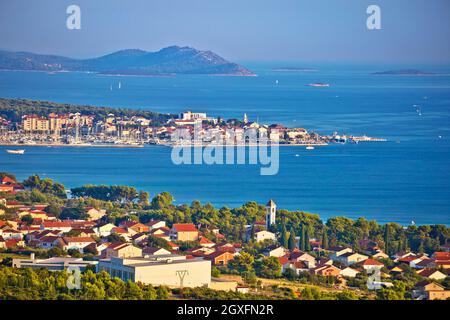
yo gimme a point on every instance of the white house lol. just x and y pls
(349, 272)
(104, 230)
(77, 243)
(337, 251)
(350, 258)
(155, 224)
(275, 251)
(264, 235)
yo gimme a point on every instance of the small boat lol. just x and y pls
(318, 84)
(309, 148)
(120, 85)
(297, 155)
(21, 151)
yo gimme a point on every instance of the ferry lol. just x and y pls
(21, 151)
(318, 84)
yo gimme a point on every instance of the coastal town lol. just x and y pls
(77, 129)
(197, 251)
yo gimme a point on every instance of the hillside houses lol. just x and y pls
(138, 248)
(184, 232)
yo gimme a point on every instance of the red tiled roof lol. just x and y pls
(117, 245)
(185, 227)
(49, 239)
(56, 224)
(11, 243)
(128, 224)
(78, 239)
(118, 230)
(13, 203)
(427, 272)
(425, 262)
(408, 259)
(204, 240)
(7, 180)
(300, 265)
(441, 255)
(283, 260)
(371, 262)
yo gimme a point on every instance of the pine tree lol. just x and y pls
(292, 243)
(387, 237)
(325, 238)
(284, 236)
(302, 240)
(421, 248)
(307, 244)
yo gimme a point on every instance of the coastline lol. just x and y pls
(80, 145)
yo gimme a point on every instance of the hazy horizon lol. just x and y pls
(414, 31)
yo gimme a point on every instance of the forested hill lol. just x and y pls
(171, 60)
(14, 109)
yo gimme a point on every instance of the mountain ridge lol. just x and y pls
(169, 60)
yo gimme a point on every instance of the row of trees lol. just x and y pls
(46, 186)
(29, 284)
(121, 194)
(119, 201)
(14, 109)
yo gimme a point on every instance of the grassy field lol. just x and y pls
(4, 255)
(295, 286)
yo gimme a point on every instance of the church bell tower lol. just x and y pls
(271, 213)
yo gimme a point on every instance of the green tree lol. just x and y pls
(162, 200)
(325, 238)
(307, 244)
(242, 263)
(303, 239)
(269, 267)
(162, 293)
(249, 277)
(292, 244)
(387, 238)
(284, 236)
(144, 197)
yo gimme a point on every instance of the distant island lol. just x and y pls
(172, 60)
(405, 72)
(294, 69)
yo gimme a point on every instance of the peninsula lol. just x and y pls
(27, 122)
(173, 60)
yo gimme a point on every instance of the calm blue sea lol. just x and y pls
(407, 178)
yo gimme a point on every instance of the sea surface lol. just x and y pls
(405, 179)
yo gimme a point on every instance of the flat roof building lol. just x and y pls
(170, 270)
(53, 264)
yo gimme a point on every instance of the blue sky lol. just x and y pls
(241, 30)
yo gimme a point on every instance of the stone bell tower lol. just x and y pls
(271, 213)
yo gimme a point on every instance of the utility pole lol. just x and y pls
(181, 274)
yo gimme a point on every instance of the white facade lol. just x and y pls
(271, 213)
(264, 235)
(170, 270)
(349, 272)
